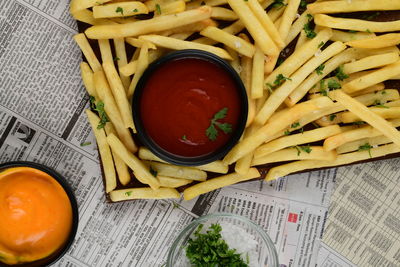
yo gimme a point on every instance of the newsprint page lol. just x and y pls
(42, 100)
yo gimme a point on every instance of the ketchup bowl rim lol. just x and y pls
(147, 141)
(60, 252)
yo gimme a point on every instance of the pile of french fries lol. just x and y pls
(333, 81)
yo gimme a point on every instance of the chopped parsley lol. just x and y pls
(364, 147)
(86, 143)
(287, 132)
(119, 10)
(383, 92)
(184, 137)
(367, 30)
(116, 58)
(332, 117)
(128, 193)
(340, 74)
(333, 84)
(280, 78)
(153, 171)
(310, 33)
(319, 69)
(158, 9)
(278, 4)
(212, 131)
(359, 122)
(135, 10)
(209, 249)
(295, 125)
(321, 44)
(102, 114)
(92, 100)
(306, 149)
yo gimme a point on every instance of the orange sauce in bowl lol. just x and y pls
(35, 215)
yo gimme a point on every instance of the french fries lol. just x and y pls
(328, 103)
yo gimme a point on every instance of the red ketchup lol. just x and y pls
(179, 101)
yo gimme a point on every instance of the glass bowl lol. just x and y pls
(238, 229)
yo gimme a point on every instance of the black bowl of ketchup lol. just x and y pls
(190, 107)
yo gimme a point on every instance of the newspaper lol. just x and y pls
(42, 100)
(363, 228)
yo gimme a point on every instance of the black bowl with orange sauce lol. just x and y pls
(39, 215)
(190, 107)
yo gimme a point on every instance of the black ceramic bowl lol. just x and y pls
(182, 160)
(58, 254)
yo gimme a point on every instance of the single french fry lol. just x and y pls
(120, 52)
(143, 193)
(343, 159)
(105, 152)
(232, 41)
(351, 36)
(257, 80)
(175, 171)
(368, 116)
(245, 75)
(87, 78)
(119, 94)
(254, 27)
(120, 9)
(380, 41)
(141, 66)
(215, 183)
(174, 7)
(352, 6)
(221, 13)
(355, 145)
(297, 139)
(273, 127)
(370, 62)
(288, 17)
(296, 153)
(86, 16)
(87, 51)
(160, 23)
(122, 169)
(282, 92)
(372, 89)
(105, 50)
(356, 24)
(110, 107)
(216, 166)
(176, 44)
(297, 27)
(372, 78)
(235, 62)
(77, 5)
(129, 68)
(234, 28)
(171, 182)
(266, 22)
(142, 173)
